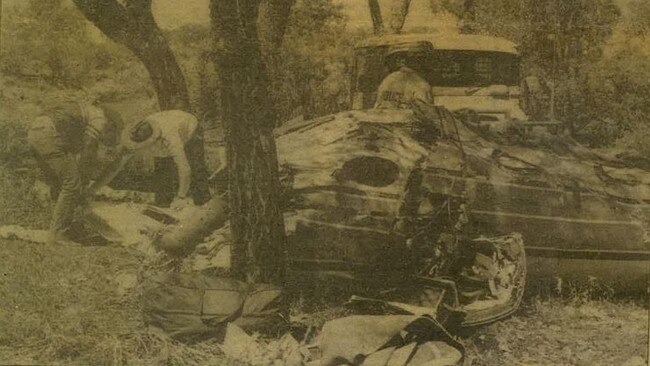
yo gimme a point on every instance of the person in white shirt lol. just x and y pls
(404, 84)
(168, 134)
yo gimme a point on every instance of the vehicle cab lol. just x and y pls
(473, 73)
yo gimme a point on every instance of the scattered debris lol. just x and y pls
(240, 346)
(496, 274)
(19, 232)
(135, 228)
(212, 253)
(379, 358)
(116, 195)
(352, 339)
(389, 340)
(435, 353)
(402, 355)
(396, 306)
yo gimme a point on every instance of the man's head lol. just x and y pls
(140, 135)
(412, 60)
(409, 55)
(141, 131)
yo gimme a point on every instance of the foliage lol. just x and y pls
(310, 74)
(45, 38)
(563, 43)
(623, 75)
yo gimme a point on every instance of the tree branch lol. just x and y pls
(399, 13)
(109, 16)
(375, 14)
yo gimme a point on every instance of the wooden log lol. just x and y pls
(193, 226)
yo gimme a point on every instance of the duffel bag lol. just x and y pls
(186, 305)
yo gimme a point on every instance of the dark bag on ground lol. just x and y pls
(188, 305)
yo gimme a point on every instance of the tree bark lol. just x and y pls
(133, 25)
(468, 17)
(400, 10)
(258, 251)
(273, 21)
(375, 15)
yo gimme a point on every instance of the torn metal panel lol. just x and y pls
(559, 195)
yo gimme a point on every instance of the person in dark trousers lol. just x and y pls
(169, 134)
(65, 140)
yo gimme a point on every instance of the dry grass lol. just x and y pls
(63, 305)
(66, 305)
(556, 332)
(19, 203)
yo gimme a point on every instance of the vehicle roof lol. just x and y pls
(445, 41)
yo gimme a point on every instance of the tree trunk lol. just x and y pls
(166, 76)
(133, 25)
(273, 21)
(258, 251)
(468, 17)
(375, 14)
(400, 10)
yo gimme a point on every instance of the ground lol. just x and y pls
(69, 304)
(80, 305)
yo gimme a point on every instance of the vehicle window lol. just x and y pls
(483, 69)
(471, 68)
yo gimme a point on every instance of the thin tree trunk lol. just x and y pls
(258, 251)
(273, 21)
(468, 17)
(133, 25)
(399, 13)
(375, 14)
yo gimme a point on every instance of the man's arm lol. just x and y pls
(109, 172)
(87, 158)
(95, 127)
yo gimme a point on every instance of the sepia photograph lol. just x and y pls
(325, 182)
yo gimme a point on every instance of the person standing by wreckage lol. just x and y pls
(174, 134)
(404, 84)
(65, 141)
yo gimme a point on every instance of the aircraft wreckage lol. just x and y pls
(421, 189)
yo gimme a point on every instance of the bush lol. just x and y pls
(48, 40)
(310, 73)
